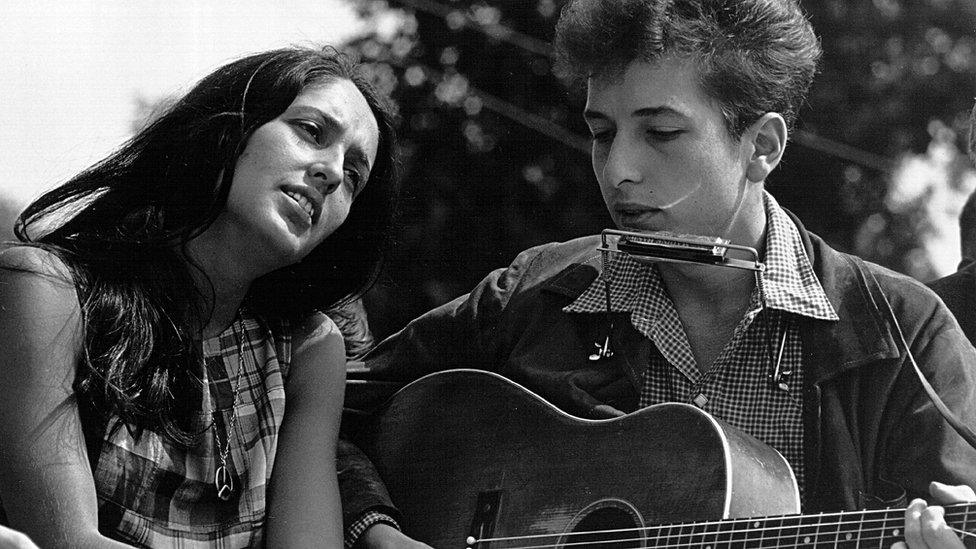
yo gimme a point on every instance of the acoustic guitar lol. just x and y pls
(473, 460)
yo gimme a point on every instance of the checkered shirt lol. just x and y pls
(154, 494)
(368, 519)
(737, 388)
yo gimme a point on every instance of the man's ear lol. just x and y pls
(768, 137)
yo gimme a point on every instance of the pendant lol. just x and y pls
(224, 483)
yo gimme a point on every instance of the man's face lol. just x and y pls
(662, 154)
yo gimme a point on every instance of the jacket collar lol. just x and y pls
(863, 333)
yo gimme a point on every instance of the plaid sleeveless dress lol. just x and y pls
(152, 493)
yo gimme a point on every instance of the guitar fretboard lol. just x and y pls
(869, 528)
(862, 529)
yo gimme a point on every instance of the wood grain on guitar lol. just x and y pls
(474, 460)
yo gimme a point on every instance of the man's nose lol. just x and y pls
(623, 163)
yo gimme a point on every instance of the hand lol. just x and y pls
(925, 526)
(384, 536)
(12, 539)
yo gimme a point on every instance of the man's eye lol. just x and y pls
(604, 136)
(663, 134)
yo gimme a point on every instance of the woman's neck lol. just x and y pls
(221, 284)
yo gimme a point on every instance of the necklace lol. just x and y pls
(223, 481)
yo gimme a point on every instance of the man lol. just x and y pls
(958, 290)
(690, 104)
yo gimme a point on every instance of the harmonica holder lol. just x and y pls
(648, 247)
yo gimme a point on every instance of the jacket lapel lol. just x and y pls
(631, 349)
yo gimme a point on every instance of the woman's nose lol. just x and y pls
(325, 177)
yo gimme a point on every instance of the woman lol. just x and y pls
(164, 307)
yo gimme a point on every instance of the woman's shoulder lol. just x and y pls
(29, 273)
(25, 258)
(316, 329)
(40, 316)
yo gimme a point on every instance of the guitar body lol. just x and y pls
(469, 453)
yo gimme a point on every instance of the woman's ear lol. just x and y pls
(768, 137)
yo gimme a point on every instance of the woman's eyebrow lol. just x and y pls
(358, 155)
(360, 159)
(332, 122)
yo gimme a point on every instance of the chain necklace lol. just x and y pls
(223, 481)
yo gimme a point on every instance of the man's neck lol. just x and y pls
(712, 300)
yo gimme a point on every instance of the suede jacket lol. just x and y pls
(871, 434)
(958, 291)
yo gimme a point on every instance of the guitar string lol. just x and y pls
(863, 534)
(799, 539)
(963, 532)
(951, 513)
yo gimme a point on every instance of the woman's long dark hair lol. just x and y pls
(122, 225)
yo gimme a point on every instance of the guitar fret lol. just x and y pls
(884, 527)
(788, 532)
(847, 535)
(887, 526)
(832, 532)
(775, 533)
(697, 535)
(808, 534)
(668, 537)
(739, 532)
(653, 536)
(711, 540)
(684, 537)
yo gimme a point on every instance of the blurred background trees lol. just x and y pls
(496, 156)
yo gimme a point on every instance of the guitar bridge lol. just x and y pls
(483, 522)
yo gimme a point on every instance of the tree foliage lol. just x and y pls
(496, 155)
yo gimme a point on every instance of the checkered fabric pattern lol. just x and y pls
(737, 388)
(154, 494)
(368, 519)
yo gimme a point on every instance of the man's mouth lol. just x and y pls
(637, 217)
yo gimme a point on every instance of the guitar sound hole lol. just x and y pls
(593, 528)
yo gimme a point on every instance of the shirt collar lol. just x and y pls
(789, 283)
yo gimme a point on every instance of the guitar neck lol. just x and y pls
(869, 528)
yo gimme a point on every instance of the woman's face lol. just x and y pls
(299, 173)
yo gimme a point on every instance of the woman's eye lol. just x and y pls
(354, 178)
(312, 129)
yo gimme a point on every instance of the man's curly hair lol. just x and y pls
(755, 56)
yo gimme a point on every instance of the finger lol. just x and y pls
(899, 545)
(935, 531)
(946, 494)
(913, 524)
(606, 411)
(12, 539)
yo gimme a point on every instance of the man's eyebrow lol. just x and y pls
(656, 111)
(642, 112)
